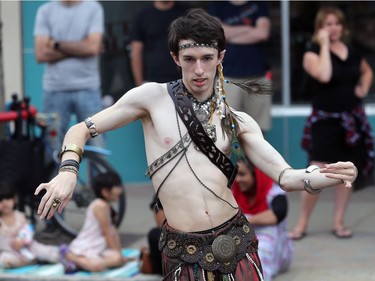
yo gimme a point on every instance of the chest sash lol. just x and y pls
(197, 133)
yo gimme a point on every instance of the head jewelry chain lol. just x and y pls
(195, 45)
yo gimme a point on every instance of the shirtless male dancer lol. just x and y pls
(206, 237)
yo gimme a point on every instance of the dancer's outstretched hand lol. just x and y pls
(344, 171)
(58, 193)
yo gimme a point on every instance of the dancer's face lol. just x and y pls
(198, 66)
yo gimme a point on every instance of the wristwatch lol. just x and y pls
(56, 45)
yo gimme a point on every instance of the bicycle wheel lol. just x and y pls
(73, 216)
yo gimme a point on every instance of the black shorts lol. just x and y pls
(328, 143)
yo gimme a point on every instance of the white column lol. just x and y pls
(285, 54)
(10, 14)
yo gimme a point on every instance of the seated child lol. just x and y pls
(18, 247)
(265, 205)
(97, 246)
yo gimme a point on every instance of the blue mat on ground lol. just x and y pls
(37, 270)
(128, 270)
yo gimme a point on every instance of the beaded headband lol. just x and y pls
(195, 45)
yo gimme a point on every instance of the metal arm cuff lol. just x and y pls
(306, 183)
(91, 126)
(73, 148)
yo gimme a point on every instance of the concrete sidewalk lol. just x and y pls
(319, 256)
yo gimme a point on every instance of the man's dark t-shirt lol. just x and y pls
(150, 26)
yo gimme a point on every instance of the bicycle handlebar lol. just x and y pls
(14, 115)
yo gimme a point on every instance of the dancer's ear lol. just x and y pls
(175, 58)
(221, 56)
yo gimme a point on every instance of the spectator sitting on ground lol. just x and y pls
(98, 246)
(17, 244)
(265, 205)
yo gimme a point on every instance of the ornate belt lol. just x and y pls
(220, 250)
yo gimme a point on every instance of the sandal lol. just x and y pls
(297, 234)
(69, 266)
(342, 233)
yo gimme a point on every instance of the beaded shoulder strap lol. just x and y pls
(197, 133)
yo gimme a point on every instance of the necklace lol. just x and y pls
(204, 110)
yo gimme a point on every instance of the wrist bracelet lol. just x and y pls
(73, 148)
(70, 170)
(280, 177)
(307, 184)
(70, 162)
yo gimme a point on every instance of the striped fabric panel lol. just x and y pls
(245, 271)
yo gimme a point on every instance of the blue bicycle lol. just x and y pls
(29, 130)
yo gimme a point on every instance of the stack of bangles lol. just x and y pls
(70, 165)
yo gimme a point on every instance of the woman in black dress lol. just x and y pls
(337, 128)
